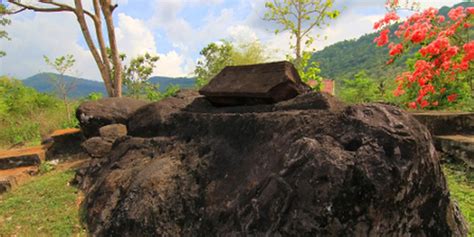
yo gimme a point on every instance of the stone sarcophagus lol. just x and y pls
(254, 84)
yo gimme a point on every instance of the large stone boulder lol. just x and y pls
(148, 120)
(290, 169)
(254, 84)
(93, 115)
(112, 132)
(97, 147)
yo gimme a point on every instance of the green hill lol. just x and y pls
(42, 82)
(83, 87)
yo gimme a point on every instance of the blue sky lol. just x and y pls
(176, 30)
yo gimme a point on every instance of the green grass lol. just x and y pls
(461, 185)
(45, 206)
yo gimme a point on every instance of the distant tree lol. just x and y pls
(137, 74)
(248, 53)
(102, 9)
(216, 56)
(361, 89)
(62, 65)
(3, 22)
(94, 96)
(136, 77)
(308, 70)
(300, 17)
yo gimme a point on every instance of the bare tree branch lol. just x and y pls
(319, 20)
(102, 8)
(107, 12)
(100, 40)
(37, 9)
(60, 7)
(90, 43)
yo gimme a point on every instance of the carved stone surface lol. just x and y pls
(254, 84)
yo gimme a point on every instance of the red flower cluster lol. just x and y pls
(395, 49)
(383, 38)
(457, 13)
(470, 10)
(389, 17)
(468, 52)
(442, 59)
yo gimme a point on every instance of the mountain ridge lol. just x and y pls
(42, 82)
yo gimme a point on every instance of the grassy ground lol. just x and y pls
(45, 206)
(48, 206)
(461, 185)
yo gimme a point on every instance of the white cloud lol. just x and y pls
(133, 37)
(242, 33)
(181, 34)
(437, 3)
(52, 35)
(171, 65)
(43, 34)
(349, 26)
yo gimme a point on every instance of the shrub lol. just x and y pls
(26, 115)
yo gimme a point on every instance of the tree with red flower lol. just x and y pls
(445, 55)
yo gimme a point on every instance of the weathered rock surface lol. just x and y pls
(6, 184)
(93, 115)
(147, 120)
(295, 168)
(64, 145)
(459, 147)
(15, 161)
(97, 147)
(113, 131)
(254, 84)
(447, 123)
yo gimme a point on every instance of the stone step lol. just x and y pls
(12, 177)
(64, 144)
(10, 159)
(460, 147)
(447, 123)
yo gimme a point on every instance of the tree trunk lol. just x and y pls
(113, 87)
(102, 45)
(298, 36)
(79, 11)
(107, 10)
(298, 49)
